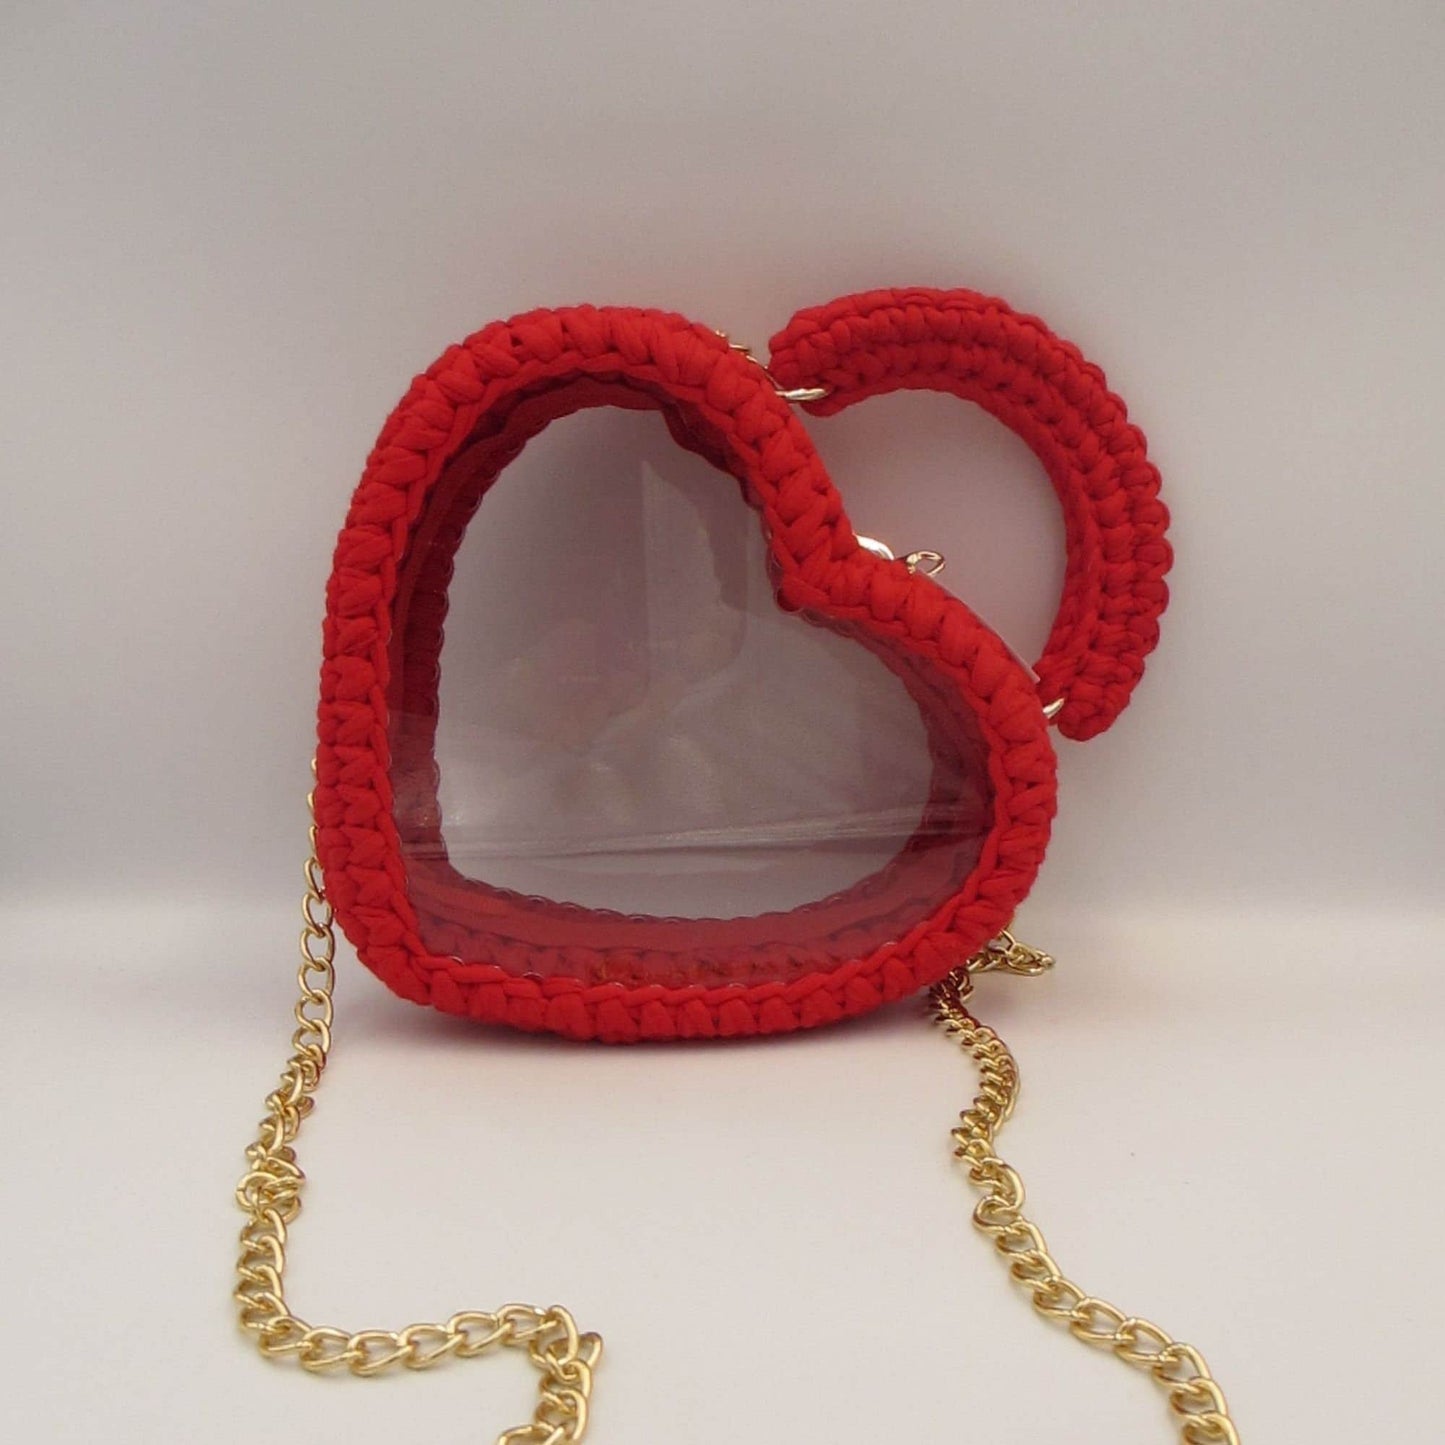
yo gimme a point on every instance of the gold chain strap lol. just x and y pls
(1196, 1402)
(269, 1193)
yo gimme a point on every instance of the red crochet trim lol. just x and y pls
(714, 393)
(977, 348)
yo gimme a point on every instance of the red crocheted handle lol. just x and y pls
(977, 348)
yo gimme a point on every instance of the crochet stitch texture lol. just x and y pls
(521, 373)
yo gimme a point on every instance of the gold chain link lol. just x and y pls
(1195, 1400)
(270, 1195)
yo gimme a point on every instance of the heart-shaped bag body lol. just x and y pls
(930, 913)
(436, 935)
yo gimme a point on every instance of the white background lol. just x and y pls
(231, 235)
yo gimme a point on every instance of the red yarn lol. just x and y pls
(1013, 366)
(588, 974)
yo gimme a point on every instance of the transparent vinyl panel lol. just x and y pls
(615, 757)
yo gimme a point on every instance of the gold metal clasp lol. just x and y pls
(795, 394)
(928, 562)
(798, 394)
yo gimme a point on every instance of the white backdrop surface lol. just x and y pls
(233, 232)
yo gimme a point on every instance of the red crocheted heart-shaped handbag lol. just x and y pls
(932, 913)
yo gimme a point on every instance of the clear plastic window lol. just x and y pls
(615, 756)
